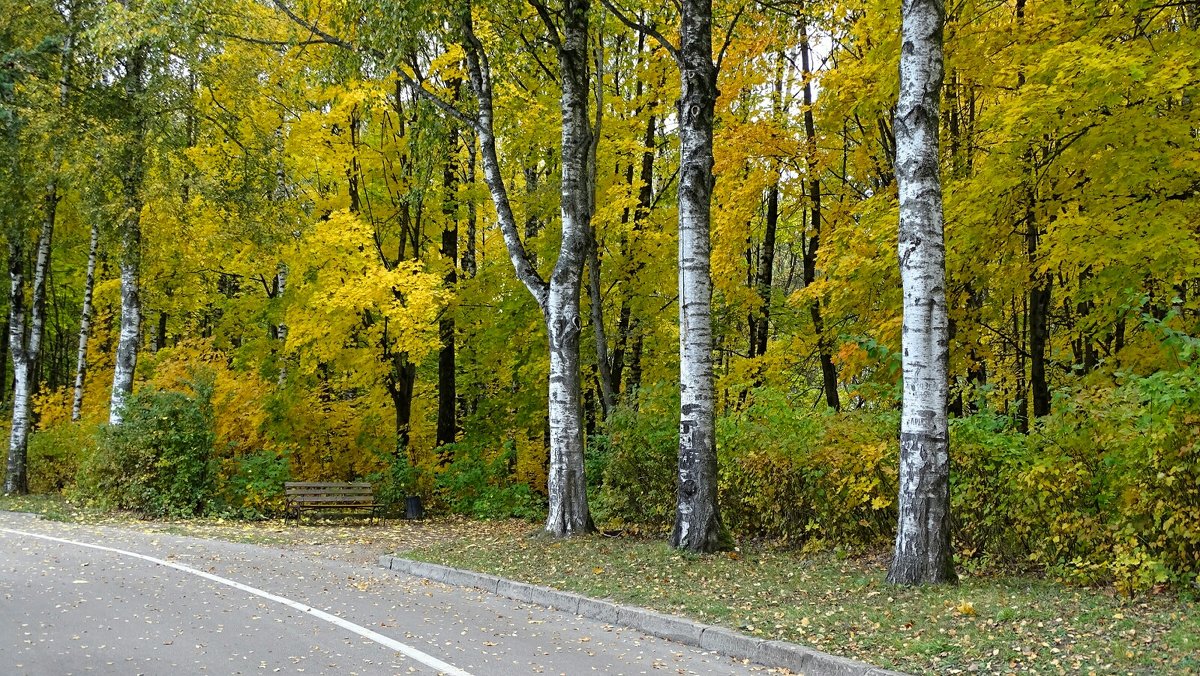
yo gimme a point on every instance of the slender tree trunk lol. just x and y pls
(15, 479)
(447, 423)
(468, 256)
(829, 380)
(85, 324)
(698, 525)
(628, 331)
(558, 299)
(133, 171)
(922, 553)
(608, 395)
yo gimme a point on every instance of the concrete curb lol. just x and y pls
(792, 656)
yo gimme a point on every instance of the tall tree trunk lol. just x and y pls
(26, 347)
(468, 256)
(558, 299)
(132, 173)
(1039, 320)
(85, 324)
(829, 380)
(447, 424)
(16, 479)
(922, 553)
(698, 525)
(607, 385)
(628, 330)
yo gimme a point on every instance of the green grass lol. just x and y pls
(843, 606)
(52, 507)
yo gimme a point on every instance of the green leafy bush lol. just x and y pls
(635, 464)
(481, 487)
(55, 454)
(159, 461)
(255, 487)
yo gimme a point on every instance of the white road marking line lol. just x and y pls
(424, 658)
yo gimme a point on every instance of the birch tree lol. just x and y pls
(559, 296)
(132, 173)
(698, 526)
(25, 338)
(922, 553)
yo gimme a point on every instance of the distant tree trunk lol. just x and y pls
(399, 385)
(558, 299)
(829, 380)
(628, 340)
(132, 174)
(604, 376)
(468, 256)
(922, 553)
(447, 424)
(698, 525)
(85, 324)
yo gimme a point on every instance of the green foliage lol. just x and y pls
(55, 454)
(159, 461)
(255, 488)
(636, 463)
(481, 487)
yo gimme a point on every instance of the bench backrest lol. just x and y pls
(329, 492)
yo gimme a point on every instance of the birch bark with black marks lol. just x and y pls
(85, 324)
(698, 525)
(922, 553)
(558, 298)
(130, 228)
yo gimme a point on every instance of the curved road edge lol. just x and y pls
(792, 656)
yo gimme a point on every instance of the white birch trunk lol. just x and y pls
(922, 553)
(133, 172)
(27, 348)
(698, 525)
(559, 298)
(281, 331)
(15, 478)
(85, 324)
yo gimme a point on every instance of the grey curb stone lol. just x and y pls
(601, 611)
(656, 624)
(729, 642)
(792, 656)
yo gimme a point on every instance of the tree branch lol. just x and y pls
(643, 28)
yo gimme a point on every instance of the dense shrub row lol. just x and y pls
(1107, 489)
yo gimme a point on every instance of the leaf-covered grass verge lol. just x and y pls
(842, 605)
(52, 507)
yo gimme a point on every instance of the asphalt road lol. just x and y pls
(78, 599)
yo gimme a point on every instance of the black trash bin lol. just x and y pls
(413, 509)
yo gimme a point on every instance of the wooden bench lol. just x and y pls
(304, 496)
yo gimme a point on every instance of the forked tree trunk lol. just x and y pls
(27, 346)
(558, 298)
(85, 324)
(922, 554)
(698, 525)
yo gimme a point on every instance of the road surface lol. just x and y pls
(82, 599)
